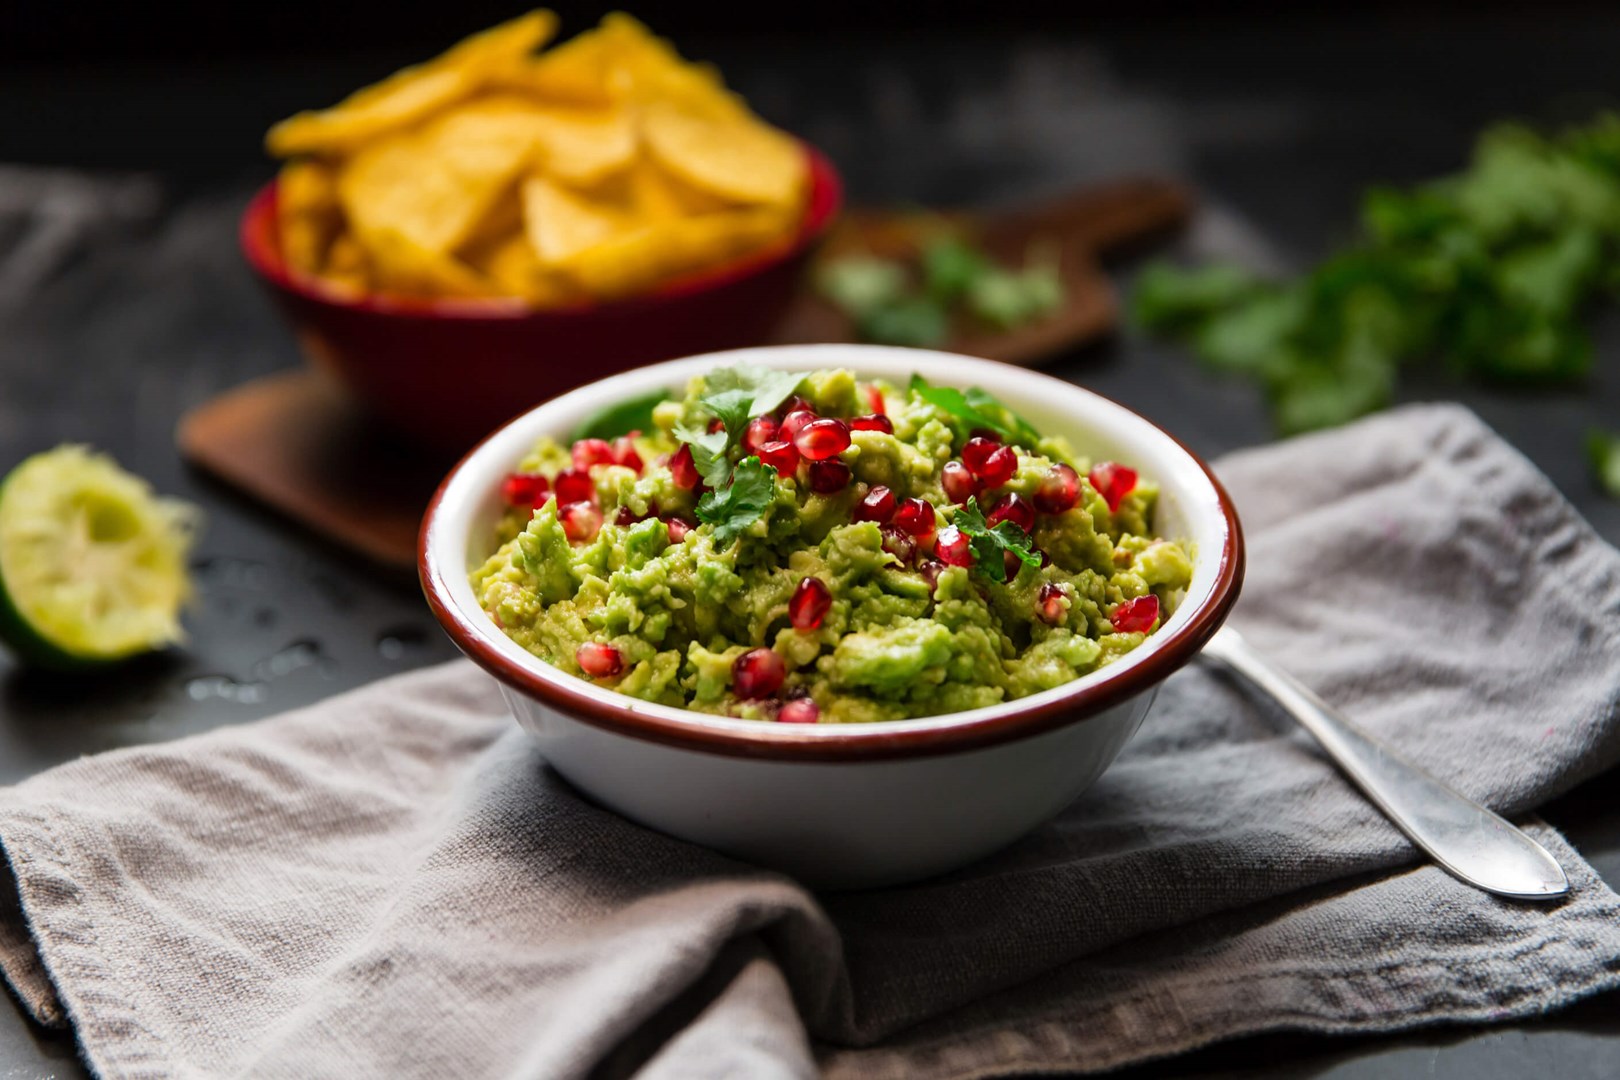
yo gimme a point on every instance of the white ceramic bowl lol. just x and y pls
(842, 805)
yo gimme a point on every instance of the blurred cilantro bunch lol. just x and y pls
(1486, 272)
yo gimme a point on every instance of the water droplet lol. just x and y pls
(394, 644)
(297, 655)
(225, 688)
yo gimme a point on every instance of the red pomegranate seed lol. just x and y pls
(624, 517)
(677, 529)
(792, 405)
(822, 439)
(588, 452)
(916, 517)
(1113, 482)
(930, 569)
(875, 422)
(1051, 603)
(599, 661)
(575, 486)
(1010, 565)
(977, 452)
(898, 542)
(760, 430)
(1135, 616)
(878, 506)
(809, 604)
(874, 400)
(959, 482)
(716, 424)
(799, 711)
(757, 673)
(781, 456)
(984, 433)
(624, 453)
(682, 471)
(998, 467)
(580, 521)
(829, 477)
(1012, 507)
(1058, 491)
(953, 548)
(795, 422)
(524, 490)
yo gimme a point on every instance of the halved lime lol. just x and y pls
(92, 562)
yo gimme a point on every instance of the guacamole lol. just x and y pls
(804, 548)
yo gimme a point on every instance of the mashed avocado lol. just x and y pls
(807, 548)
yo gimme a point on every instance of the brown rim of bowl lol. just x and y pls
(861, 742)
(822, 206)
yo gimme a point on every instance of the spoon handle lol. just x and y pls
(1470, 841)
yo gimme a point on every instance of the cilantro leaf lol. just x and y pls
(731, 509)
(1008, 299)
(977, 408)
(732, 395)
(708, 451)
(918, 322)
(990, 544)
(1603, 449)
(622, 418)
(861, 283)
(951, 267)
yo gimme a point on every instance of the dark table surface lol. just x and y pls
(123, 303)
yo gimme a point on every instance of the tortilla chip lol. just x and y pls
(578, 72)
(434, 186)
(402, 266)
(513, 269)
(561, 223)
(741, 160)
(584, 147)
(347, 264)
(637, 259)
(307, 214)
(415, 93)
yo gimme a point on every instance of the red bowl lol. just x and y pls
(446, 372)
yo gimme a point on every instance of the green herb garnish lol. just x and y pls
(743, 501)
(740, 494)
(1486, 272)
(991, 544)
(975, 408)
(886, 304)
(623, 418)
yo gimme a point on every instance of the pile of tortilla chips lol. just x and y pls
(595, 170)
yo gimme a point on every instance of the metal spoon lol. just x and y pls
(1472, 843)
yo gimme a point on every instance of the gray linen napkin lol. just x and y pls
(392, 884)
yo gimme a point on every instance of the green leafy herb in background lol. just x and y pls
(990, 545)
(1485, 272)
(1603, 450)
(953, 276)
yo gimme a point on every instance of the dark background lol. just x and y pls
(140, 127)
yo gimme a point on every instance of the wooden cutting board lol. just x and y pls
(294, 442)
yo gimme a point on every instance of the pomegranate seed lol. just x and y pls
(821, 439)
(682, 471)
(1135, 616)
(878, 506)
(930, 569)
(1012, 507)
(795, 422)
(959, 482)
(575, 486)
(916, 517)
(799, 711)
(874, 400)
(809, 604)
(1058, 491)
(1051, 603)
(984, 433)
(599, 661)
(716, 425)
(977, 452)
(781, 456)
(624, 517)
(998, 467)
(580, 521)
(524, 490)
(953, 548)
(898, 542)
(757, 673)
(624, 453)
(792, 405)
(678, 529)
(588, 452)
(875, 422)
(829, 477)
(1010, 565)
(760, 430)
(1113, 482)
